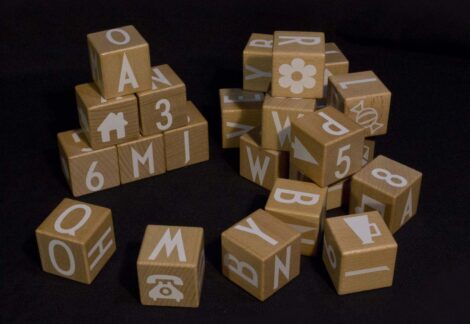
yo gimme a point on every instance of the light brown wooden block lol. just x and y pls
(189, 144)
(261, 166)
(106, 122)
(171, 265)
(241, 112)
(260, 254)
(276, 120)
(327, 146)
(298, 64)
(301, 205)
(85, 169)
(163, 107)
(76, 240)
(335, 63)
(141, 158)
(258, 62)
(120, 61)
(389, 187)
(363, 98)
(368, 151)
(359, 252)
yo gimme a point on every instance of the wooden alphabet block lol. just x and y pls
(389, 187)
(171, 266)
(106, 122)
(298, 64)
(258, 62)
(368, 151)
(241, 112)
(189, 144)
(261, 166)
(276, 120)
(85, 169)
(363, 98)
(327, 146)
(359, 252)
(163, 107)
(335, 63)
(260, 254)
(141, 158)
(301, 205)
(76, 240)
(120, 61)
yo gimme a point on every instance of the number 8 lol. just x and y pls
(383, 174)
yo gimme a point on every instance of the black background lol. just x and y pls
(418, 48)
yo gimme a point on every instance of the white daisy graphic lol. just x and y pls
(297, 76)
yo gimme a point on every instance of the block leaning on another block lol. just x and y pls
(258, 62)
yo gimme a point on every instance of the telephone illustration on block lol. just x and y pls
(165, 287)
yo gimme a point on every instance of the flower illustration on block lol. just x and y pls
(297, 76)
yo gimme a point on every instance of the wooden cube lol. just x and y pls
(106, 122)
(276, 120)
(359, 252)
(327, 146)
(260, 254)
(335, 63)
(85, 169)
(368, 151)
(189, 144)
(171, 265)
(301, 205)
(163, 107)
(120, 61)
(141, 158)
(76, 240)
(259, 165)
(363, 98)
(298, 64)
(241, 112)
(389, 187)
(258, 62)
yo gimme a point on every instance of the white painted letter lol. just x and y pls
(299, 197)
(254, 229)
(170, 244)
(284, 268)
(102, 249)
(71, 231)
(302, 40)
(239, 267)
(71, 270)
(127, 75)
(332, 126)
(137, 158)
(255, 166)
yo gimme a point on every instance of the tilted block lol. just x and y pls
(335, 63)
(258, 62)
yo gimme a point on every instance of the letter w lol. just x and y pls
(255, 166)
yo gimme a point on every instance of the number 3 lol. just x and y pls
(393, 180)
(343, 158)
(166, 113)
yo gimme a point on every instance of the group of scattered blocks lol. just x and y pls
(135, 119)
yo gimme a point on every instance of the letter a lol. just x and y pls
(127, 75)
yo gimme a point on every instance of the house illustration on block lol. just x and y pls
(113, 122)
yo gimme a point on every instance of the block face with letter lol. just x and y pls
(120, 61)
(76, 240)
(170, 266)
(389, 187)
(241, 113)
(258, 62)
(363, 98)
(260, 254)
(163, 107)
(85, 169)
(335, 63)
(359, 252)
(302, 206)
(298, 64)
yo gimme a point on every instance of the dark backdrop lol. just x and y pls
(418, 48)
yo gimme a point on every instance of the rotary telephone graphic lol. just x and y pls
(165, 287)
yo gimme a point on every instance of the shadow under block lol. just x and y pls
(241, 113)
(260, 254)
(389, 187)
(106, 122)
(76, 240)
(189, 144)
(120, 61)
(171, 265)
(298, 64)
(261, 166)
(363, 98)
(277, 114)
(163, 107)
(258, 62)
(141, 158)
(302, 206)
(359, 252)
(335, 63)
(327, 146)
(85, 169)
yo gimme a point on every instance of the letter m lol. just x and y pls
(170, 243)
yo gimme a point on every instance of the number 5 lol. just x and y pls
(343, 159)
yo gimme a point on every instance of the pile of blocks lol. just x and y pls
(135, 119)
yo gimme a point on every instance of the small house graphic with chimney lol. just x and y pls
(113, 122)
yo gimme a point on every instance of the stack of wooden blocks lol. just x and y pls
(303, 126)
(135, 119)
